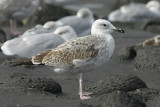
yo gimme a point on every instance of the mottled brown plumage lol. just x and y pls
(39, 57)
(152, 41)
(63, 55)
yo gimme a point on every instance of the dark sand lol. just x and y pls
(19, 86)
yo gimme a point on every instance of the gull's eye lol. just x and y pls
(104, 25)
(63, 32)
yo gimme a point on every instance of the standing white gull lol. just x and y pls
(17, 10)
(80, 22)
(28, 46)
(83, 53)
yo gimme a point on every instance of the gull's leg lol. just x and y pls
(83, 95)
(14, 27)
(11, 25)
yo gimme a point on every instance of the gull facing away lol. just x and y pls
(17, 10)
(28, 46)
(83, 53)
(80, 22)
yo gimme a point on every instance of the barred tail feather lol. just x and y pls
(39, 57)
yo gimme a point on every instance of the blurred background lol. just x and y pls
(130, 14)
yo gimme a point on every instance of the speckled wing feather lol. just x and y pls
(150, 41)
(81, 48)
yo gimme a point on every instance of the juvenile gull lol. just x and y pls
(17, 10)
(83, 53)
(152, 41)
(80, 22)
(136, 12)
(28, 46)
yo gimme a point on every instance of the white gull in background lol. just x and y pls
(58, 1)
(28, 46)
(136, 12)
(154, 6)
(52, 25)
(48, 27)
(86, 32)
(17, 10)
(80, 22)
(83, 53)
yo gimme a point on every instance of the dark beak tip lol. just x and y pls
(121, 31)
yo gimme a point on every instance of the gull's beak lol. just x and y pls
(119, 30)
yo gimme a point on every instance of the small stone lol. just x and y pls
(125, 83)
(144, 94)
(127, 53)
(121, 100)
(44, 84)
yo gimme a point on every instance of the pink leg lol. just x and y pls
(83, 95)
(11, 25)
(14, 28)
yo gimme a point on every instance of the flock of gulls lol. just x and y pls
(73, 43)
(136, 12)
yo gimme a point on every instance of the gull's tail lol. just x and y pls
(39, 57)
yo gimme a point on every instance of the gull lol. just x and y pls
(152, 41)
(17, 10)
(48, 27)
(52, 25)
(136, 12)
(83, 53)
(80, 22)
(58, 1)
(154, 6)
(28, 46)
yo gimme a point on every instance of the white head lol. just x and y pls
(66, 32)
(102, 26)
(85, 13)
(52, 25)
(153, 6)
(157, 39)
